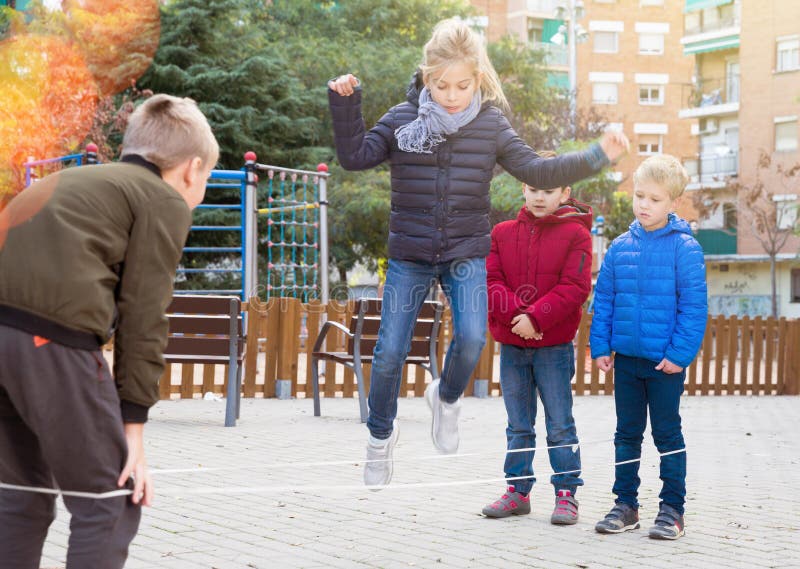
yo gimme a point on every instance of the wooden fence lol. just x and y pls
(758, 356)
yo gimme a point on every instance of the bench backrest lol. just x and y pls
(200, 328)
(366, 321)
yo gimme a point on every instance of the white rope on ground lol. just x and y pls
(307, 488)
(201, 469)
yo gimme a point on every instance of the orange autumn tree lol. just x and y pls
(47, 103)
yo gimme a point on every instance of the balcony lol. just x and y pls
(547, 7)
(710, 97)
(711, 170)
(711, 28)
(554, 55)
(717, 241)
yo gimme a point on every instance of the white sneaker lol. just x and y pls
(444, 426)
(379, 473)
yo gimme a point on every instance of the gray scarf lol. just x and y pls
(433, 122)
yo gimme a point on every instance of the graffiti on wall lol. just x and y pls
(749, 305)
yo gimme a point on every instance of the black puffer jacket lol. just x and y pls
(440, 201)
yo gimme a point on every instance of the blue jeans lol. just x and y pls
(549, 370)
(407, 286)
(637, 387)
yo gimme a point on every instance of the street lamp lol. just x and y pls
(571, 34)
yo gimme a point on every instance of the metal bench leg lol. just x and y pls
(315, 381)
(239, 366)
(230, 401)
(362, 398)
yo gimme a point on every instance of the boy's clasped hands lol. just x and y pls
(522, 326)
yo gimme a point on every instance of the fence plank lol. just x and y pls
(719, 353)
(581, 348)
(770, 354)
(707, 354)
(165, 383)
(791, 383)
(783, 347)
(272, 326)
(744, 356)
(208, 378)
(758, 351)
(733, 350)
(187, 381)
(255, 311)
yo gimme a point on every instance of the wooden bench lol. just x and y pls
(362, 336)
(208, 330)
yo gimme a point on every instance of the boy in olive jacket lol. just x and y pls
(85, 253)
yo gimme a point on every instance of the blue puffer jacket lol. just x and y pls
(651, 299)
(440, 201)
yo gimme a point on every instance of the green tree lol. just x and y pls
(618, 216)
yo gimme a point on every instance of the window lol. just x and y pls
(786, 135)
(651, 94)
(606, 42)
(604, 93)
(795, 285)
(649, 144)
(729, 219)
(786, 212)
(651, 2)
(788, 57)
(651, 44)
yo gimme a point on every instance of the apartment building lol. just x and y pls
(742, 100)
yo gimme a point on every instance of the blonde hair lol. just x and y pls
(664, 170)
(453, 41)
(167, 131)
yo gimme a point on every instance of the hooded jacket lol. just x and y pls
(440, 201)
(651, 299)
(541, 267)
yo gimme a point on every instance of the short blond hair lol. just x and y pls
(167, 131)
(453, 41)
(664, 170)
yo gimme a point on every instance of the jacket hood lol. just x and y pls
(414, 88)
(572, 211)
(674, 223)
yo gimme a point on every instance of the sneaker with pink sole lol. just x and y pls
(512, 503)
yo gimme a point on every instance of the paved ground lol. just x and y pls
(743, 509)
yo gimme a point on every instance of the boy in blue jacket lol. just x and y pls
(650, 309)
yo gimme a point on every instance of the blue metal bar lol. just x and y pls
(215, 228)
(208, 270)
(212, 249)
(53, 160)
(221, 206)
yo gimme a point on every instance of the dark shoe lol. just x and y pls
(566, 510)
(669, 524)
(622, 517)
(510, 504)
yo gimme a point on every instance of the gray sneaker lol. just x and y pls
(622, 517)
(379, 466)
(566, 510)
(511, 503)
(669, 524)
(444, 425)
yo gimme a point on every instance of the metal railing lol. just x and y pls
(707, 92)
(711, 167)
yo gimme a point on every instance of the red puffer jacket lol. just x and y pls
(542, 267)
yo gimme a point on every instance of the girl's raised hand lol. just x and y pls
(614, 144)
(344, 85)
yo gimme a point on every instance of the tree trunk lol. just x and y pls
(342, 275)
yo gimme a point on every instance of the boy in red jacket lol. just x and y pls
(539, 274)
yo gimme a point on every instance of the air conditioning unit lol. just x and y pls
(708, 126)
